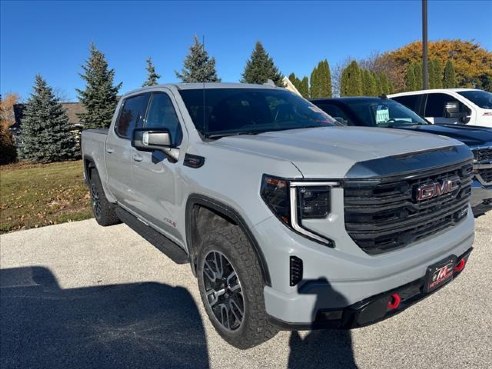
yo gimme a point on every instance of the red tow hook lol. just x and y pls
(394, 301)
(460, 266)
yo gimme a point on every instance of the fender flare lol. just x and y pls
(228, 213)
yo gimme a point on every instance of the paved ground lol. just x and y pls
(82, 296)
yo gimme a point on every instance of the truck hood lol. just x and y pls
(329, 152)
(469, 135)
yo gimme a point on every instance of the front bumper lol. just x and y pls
(480, 193)
(369, 310)
(348, 275)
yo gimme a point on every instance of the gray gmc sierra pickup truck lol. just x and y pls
(287, 219)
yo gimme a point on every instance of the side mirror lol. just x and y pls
(150, 139)
(452, 110)
(464, 119)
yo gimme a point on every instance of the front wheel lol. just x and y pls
(231, 288)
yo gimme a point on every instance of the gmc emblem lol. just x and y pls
(430, 190)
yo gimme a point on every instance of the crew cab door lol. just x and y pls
(154, 173)
(119, 152)
(435, 108)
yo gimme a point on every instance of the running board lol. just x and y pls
(159, 241)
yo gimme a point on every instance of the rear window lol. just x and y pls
(409, 101)
(228, 111)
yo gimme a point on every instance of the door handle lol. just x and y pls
(109, 150)
(137, 157)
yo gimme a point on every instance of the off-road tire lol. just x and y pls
(103, 210)
(230, 241)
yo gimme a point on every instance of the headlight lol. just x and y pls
(295, 201)
(313, 202)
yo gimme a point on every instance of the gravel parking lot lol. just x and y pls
(78, 295)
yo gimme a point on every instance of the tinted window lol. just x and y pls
(409, 101)
(383, 113)
(228, 111)
(437, 102)
(162, 115)
(335, 112)
(131, 115)
(480, 98)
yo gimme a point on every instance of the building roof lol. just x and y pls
(71, 108)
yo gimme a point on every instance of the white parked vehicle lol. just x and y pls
(454, 105)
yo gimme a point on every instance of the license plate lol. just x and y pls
(439, 274)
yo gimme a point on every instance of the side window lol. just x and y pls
(131, 115)
(410, 101)
(337, 113)
(162, 115)
(436, 103)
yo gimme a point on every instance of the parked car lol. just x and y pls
(383, 112)
(457, 105)
(287, 218)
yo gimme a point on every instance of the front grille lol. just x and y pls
(382, 214)
(483, 155)
(486, 174)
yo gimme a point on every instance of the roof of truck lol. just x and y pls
(199, 86)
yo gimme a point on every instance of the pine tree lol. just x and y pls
(260, 68)
(369, 87)
(410, 82)
(449, 80)
(438, 73)
(315, 84)
(100, 95)
(295, 81)
(46, 132)
(417, 71)
(432, 76)
(198, 66)
(152, 75)
(351, 82)
(324, 78)
(304, 88)
(375, 90)
(386, 87)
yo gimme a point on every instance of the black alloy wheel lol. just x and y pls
(223, 290)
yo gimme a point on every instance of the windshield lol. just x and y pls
(385, 113)
(221, 112)
(480, 98)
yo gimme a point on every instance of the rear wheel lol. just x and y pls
(103, 210)
(231, 288)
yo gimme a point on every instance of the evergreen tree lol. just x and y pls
(260, 68)
(351, 82)
(449, 75)
(198, 66)
(295, 81)
(431, 76)
(315, 84)
(417, 71)
(369, 87)
(100, 95)
(304, 88)
(325, 78)
(410, 82)
(45, 135)
(437, 73)
(152, 75)
(386, 87)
